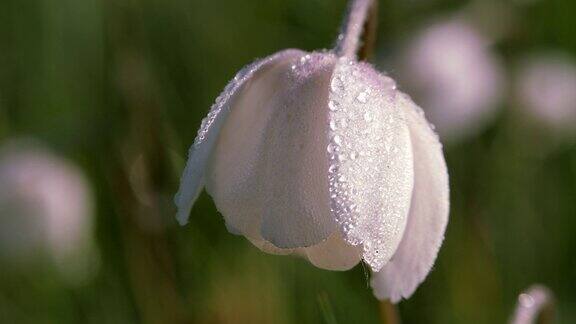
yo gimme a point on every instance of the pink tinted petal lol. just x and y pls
(371, 173)
(193, 176)
(268, 247)
(334, 254)
(428, 213)
(269, 174)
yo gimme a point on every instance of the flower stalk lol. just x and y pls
(358, 34)
(389, 313)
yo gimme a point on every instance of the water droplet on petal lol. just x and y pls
(526, 300)
(368, 116)
(338, 140)
(337, 85)
(387, 146)
(330, 148)
(332, 168)
(333, 125)
(362, 97)
(333, 105)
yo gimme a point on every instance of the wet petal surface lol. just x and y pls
(428, 213)
(269, 172)
(370, 157)
(193, 176)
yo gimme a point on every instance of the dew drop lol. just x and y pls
(337, 85)
(330, 148)
(333, 105)
(387, 146)
(526, 300)
(333, 125)
(362, 97)
(368, 116)
(338, 140)
(332, 168)
(353, 155)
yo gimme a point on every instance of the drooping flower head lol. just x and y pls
(320, 155)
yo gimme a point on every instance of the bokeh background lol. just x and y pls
(100, 100)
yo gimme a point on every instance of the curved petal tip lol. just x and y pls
(193, 177)
(428, 215)
(370, 156)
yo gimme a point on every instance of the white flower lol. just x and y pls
(455, 76)
(319, 155)
(45, 207)
(546, 88)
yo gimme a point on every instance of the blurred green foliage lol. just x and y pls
(120, 87)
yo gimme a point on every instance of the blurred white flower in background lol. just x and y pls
(546, 89)
(46, 210)
(451, 72)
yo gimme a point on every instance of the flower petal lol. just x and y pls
(428, 213)
(334, 254)
(268, 247)
(193, 176)
(370, 154)
(231, 174)
(269, 172)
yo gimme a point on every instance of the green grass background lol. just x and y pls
(111, 83)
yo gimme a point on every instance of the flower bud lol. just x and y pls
(320, 155)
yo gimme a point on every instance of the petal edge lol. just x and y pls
(370, 173)
(192, 180)
(428, 216)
